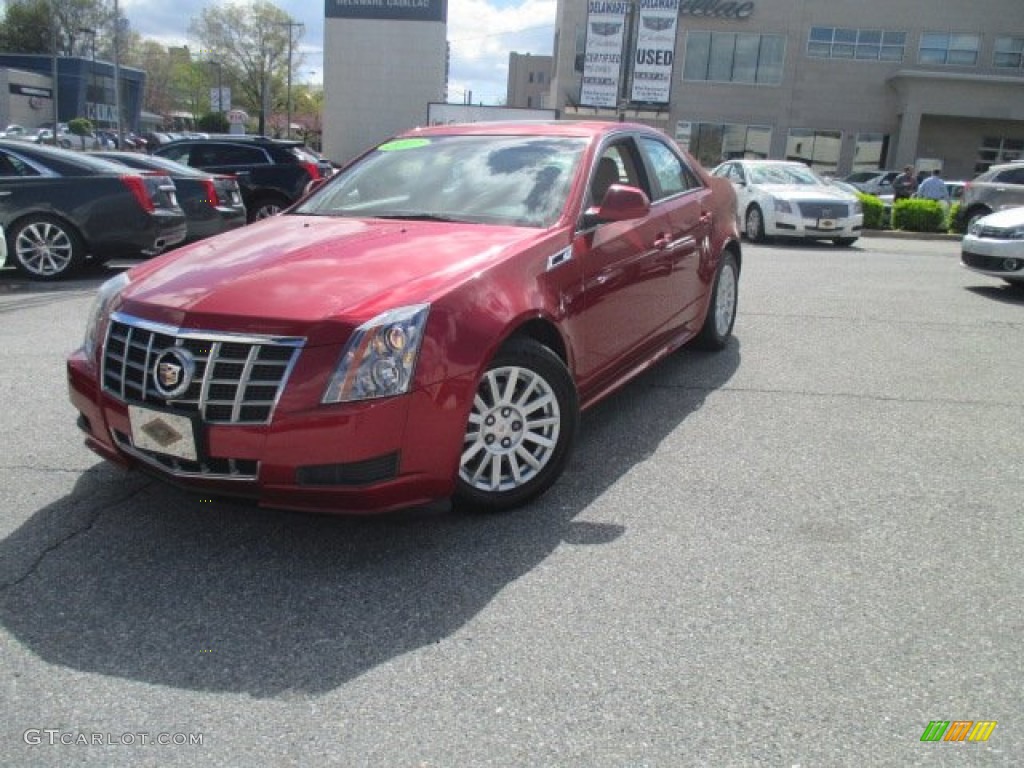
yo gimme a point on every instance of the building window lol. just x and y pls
(870, 150)
(712, 143)
(998, 149)
(530, 77)
(725, 57)
(949, 48)
(1009, 53)
(863, 44)
(581, 47)
(817, 149)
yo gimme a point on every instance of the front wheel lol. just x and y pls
(520, 430)
(755, 224)
(721, 314)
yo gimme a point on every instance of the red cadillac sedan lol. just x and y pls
(427, 324)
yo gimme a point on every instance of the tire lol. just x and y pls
(754, 224)
(973, 215)
(45, 248)
(721, 315)
(845, 242)
(265, 207)
(520, 431)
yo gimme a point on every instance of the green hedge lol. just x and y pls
(874, 211)
(916, 215)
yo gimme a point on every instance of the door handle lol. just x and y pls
(663, 241)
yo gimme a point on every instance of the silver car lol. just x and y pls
(994, 246)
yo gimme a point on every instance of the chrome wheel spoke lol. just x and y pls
(512, 430)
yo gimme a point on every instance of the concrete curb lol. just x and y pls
(901, 235)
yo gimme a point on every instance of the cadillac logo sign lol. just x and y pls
(173, 372)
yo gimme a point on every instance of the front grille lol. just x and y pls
(237, 379)
(824, 210)
(208, 468)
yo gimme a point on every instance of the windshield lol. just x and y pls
(508, 180)
(783, 174)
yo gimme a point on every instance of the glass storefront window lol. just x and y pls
(870, 150)
(817, 149)
(713, 143)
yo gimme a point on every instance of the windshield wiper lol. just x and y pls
(415, 216)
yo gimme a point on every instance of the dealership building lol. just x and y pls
(841, 86)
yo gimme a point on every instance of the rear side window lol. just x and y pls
(14, 166)
(230, 154)
(1011, 176)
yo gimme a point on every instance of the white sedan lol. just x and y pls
(778, 198)
(994, 245)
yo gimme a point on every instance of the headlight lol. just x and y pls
(782, 206)
(380, 358)
(975, 228)
(1015, 233)
(856, 208)
(106, 294)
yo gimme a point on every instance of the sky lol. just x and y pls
(482, 33)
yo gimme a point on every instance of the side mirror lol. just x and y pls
(621, 203)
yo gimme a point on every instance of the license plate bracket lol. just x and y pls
(170, 434)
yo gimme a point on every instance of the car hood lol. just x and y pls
(289, 273)
(804, 192)
(1005, 219)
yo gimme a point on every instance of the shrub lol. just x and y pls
(956, 224)
(915, 215)
(213, 122)
(874, 211)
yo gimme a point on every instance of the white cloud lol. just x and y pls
(482, 34)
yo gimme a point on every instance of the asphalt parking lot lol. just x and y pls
(798, 552)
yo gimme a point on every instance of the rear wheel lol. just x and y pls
(45, 248)
(721, 314)
(265, 207)
(520, 430)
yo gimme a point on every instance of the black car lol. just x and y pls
(272, 173)
(212, 204)
(61, 208)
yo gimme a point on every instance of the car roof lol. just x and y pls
(555, 128)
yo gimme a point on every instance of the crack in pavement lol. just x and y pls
(88, 526)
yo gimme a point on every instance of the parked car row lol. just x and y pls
(61, 210)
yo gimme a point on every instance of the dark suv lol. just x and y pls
(1001, 186)
(272, 173)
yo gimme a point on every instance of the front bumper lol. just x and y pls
(795, 225)
(370, 456)
(996, 258)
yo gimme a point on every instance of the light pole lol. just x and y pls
(291, 25)
(90, 92)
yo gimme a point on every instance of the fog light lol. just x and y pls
(1011, 265)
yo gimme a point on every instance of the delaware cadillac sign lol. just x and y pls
(602, 62)
(397, 10)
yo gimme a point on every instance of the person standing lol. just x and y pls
(905, 185)
(934, 188)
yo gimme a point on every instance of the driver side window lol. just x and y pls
(617, 165)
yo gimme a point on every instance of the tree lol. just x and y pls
(251, 41)
(27, 27)
(80, 127)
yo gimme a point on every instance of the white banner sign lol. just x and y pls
(655, 51)
(602, 62)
